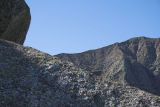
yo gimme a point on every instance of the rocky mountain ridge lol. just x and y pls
(124, 74)
(32, 78)
(135, 62)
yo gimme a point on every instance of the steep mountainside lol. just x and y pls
(135, 62)
(30, 78)
(120, 75)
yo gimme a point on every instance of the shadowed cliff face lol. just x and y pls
(135, 62)
(14, 20)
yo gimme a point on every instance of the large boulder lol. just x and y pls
(14, 20)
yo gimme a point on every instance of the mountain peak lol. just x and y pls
(135, 62)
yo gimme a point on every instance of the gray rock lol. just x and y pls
(30, 78)
(14, 20)
(135, 62)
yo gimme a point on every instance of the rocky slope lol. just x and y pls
(120, 75)
(107, 77)
(14, 20)
(135, 62)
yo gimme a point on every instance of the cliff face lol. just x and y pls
(118, 75)
(135, 62)
(14, 20)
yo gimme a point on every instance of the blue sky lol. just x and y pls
(72, 26)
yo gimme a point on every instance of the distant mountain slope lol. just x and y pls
(30, 78)
(135, 62)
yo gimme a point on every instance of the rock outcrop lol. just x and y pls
(107, 77)
(14, 20)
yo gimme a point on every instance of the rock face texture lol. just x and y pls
(124, 74)
(135, 62)
(120, 75)
(14, 20)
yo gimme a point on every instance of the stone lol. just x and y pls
(14, 20)
(134, 62)
(30, 78)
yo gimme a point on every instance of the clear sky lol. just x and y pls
(72, 26)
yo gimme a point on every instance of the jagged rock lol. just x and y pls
(30, 78)
(14, 20)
